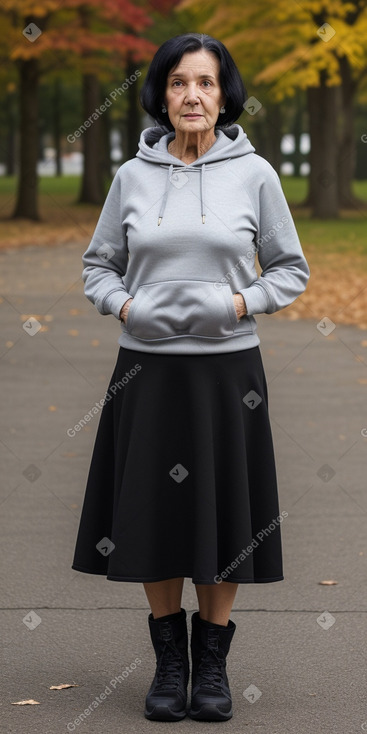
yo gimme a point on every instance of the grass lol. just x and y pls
(337, 236)
(63, 220)
(48, 184)
(295, 188)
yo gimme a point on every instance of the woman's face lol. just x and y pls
(193, 87)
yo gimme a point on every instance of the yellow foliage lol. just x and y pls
(27, 8)
(280, 43)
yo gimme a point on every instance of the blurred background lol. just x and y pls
(70, 115)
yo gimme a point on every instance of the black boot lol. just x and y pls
(210, 695)
(167, 697)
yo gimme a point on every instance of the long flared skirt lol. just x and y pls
(182, 480)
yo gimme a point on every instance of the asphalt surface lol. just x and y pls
(298, 657)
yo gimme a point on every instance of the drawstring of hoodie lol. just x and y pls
(173, 168)
(202, 193)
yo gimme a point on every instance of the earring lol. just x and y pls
(164, 109)
(222, 110)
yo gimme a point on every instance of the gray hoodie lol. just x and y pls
(182, 239)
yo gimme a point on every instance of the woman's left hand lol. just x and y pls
(240, 305)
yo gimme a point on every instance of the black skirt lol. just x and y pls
(182, 481)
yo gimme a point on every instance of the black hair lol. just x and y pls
(169, 55)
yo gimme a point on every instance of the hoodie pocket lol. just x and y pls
(174, 308)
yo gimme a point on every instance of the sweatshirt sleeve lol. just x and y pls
(105, 261)
(285, 271)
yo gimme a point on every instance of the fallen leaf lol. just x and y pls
(26, 316)
(328, 583)
(23, 703)
(63, 685)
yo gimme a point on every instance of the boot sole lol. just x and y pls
(210, 712)
(163, 713)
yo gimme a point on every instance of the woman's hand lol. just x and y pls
(240, 305)
(125, 310)
(238, 299)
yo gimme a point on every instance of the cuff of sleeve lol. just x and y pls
(115, 301)
(257, 299)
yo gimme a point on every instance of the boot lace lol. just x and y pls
(210, 670)
(169, 668)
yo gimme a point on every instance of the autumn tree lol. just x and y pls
(319, 46)
(125, 48)
(39, 36)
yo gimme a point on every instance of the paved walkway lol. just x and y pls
(298, 659)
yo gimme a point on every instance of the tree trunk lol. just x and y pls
(132, 115)
(297, 132)
(273, 128)
(347, 143)
(323, 184)
(258, 135)
(27, 193)
(11, 123)
(266, 135)
(92, 188)
(57, 111)
(106, 144)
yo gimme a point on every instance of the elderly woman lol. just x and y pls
(182, 482)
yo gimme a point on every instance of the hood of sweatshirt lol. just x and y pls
(231, 142)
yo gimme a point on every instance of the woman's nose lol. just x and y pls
(192, 94)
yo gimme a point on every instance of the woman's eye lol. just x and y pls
(205, 81)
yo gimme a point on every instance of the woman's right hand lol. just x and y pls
(125, 310)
